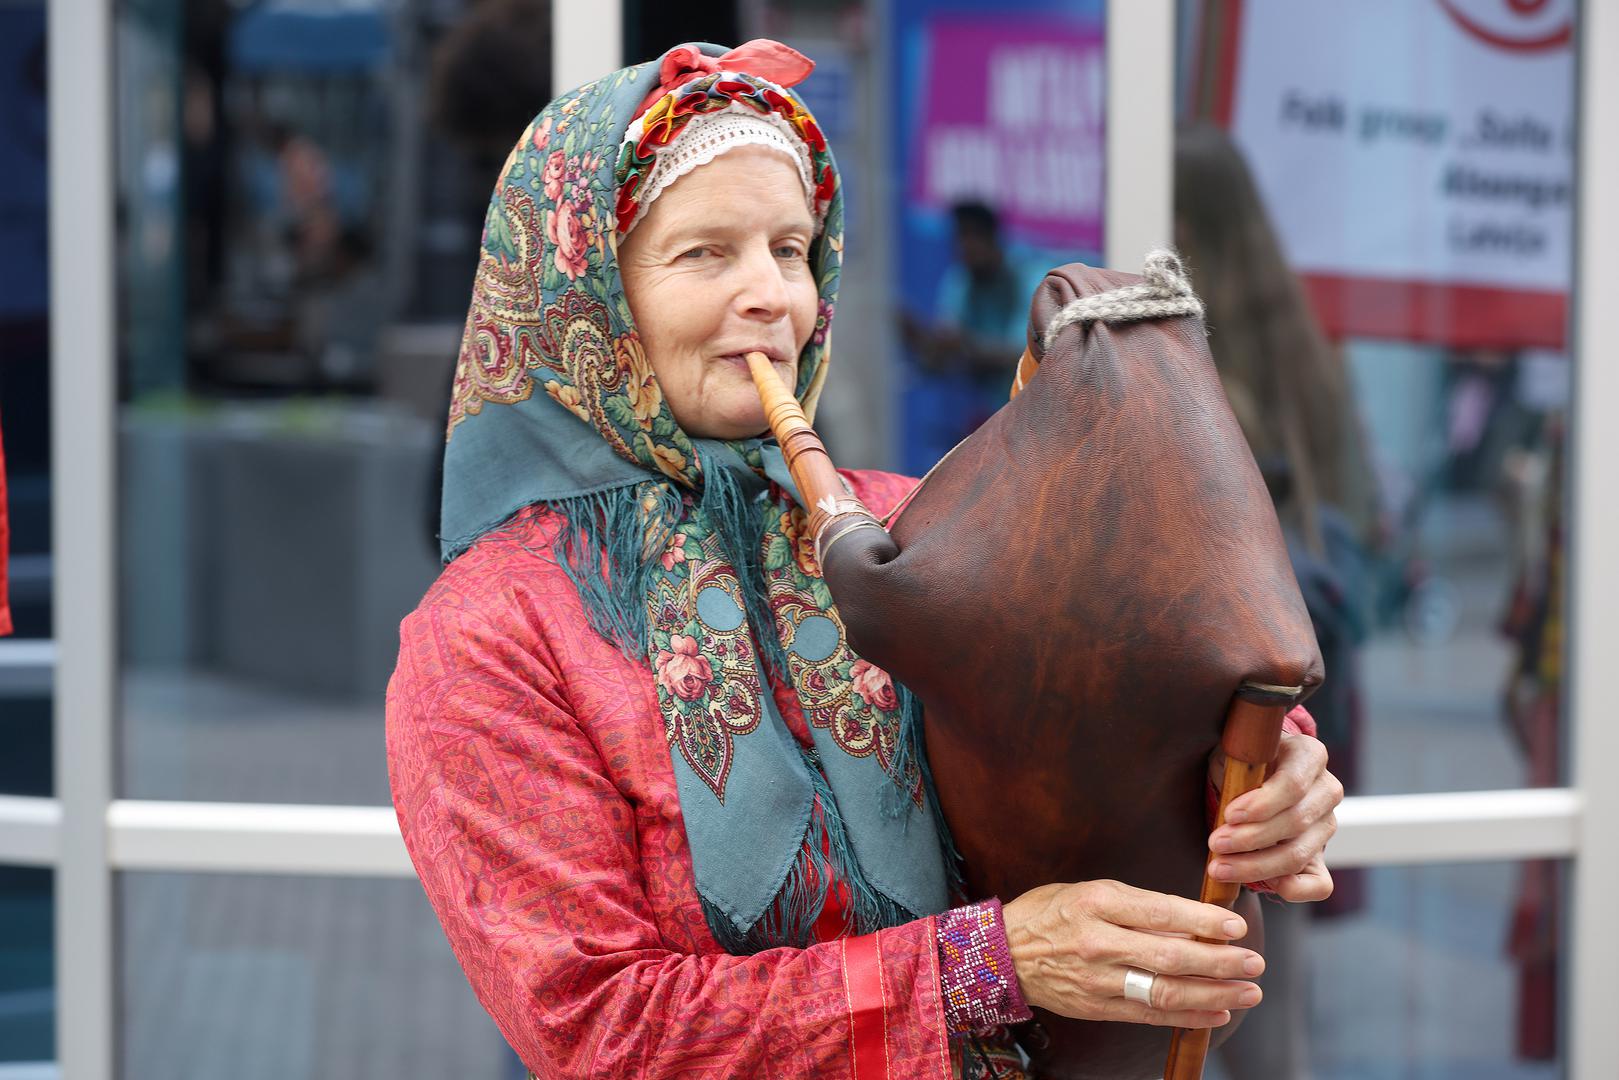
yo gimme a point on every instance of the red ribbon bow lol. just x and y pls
(781, 64)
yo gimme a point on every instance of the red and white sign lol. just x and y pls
(1416, 157)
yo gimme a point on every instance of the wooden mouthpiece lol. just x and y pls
(829, 501)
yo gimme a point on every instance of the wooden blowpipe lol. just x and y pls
(1253, 734)
(833, 508)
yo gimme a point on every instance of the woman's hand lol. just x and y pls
(1072, 944)
(1276, 834)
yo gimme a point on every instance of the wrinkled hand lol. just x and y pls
(1071, 946)
(1276, 834)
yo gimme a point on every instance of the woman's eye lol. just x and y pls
(694, 253)
(789, 251)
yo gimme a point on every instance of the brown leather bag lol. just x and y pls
(1078, 590)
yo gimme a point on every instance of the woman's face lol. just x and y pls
(718, 267)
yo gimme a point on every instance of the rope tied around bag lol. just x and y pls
(1164, 291)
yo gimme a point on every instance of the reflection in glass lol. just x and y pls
(1443, 973)
(1385, 260)
(998, 175)
(301, 189)
(294, 979)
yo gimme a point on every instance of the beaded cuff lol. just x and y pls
(980, 987)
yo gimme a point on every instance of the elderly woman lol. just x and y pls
(632, 814)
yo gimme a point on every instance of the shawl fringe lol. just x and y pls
(790, 918)
(740, 522)
(893, 797)
(609, 548)
(611, 545)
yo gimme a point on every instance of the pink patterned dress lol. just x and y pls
(534, 789)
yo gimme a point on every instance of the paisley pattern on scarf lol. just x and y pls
(543, 232)
(704, 660)
(854, 700)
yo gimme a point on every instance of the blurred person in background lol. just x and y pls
(638, 769)
(1532, 483)
(291, 201)
(976, 332)
(1290, 393)
(486, 72)
(343, 312)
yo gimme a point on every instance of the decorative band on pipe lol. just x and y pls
(832, 534)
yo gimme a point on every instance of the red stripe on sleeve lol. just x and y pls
(863, 986)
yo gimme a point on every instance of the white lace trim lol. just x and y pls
(707, 136)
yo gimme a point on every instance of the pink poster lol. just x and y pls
(1013, 116)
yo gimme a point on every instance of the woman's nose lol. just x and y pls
(762, 288)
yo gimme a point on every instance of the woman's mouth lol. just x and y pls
(741, 358)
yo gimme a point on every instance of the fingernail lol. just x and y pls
(1235, 816)
(1251, 997)
(1254, 965)
(1234, 928)
(1220, 842)
(1219, 869)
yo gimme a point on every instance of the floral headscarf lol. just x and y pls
(707, 553)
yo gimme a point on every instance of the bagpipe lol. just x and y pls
(1087, 594)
